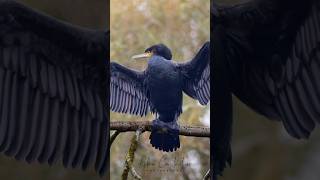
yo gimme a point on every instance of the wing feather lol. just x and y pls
(294, 94)
(196, 75)
(128, 93)
(53, 89)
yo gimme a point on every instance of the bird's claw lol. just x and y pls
(167, 127)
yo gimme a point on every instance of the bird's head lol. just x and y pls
(158, 50)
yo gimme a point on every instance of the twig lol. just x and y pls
(113, 137)
(207, 175)
(135, 174)
(130, 156)
(124, 126)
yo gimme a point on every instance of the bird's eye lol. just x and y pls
(149, 53)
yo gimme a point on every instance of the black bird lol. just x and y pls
(159, 89)
(53, 89)
(267, 53)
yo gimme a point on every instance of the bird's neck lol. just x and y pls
(161, 57)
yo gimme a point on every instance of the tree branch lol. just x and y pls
(124, 126)
(130, 157)
(207, 175)
(113, 137)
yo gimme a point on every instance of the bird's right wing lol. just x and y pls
(127, 92)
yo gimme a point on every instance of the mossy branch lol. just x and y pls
(130, 157)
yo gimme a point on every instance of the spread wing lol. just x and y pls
(53, 90)
(127, 92)
(196, 75)
(288, 87)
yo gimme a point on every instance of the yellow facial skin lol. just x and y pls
(144, 55)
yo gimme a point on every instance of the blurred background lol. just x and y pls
(184, 26)
(262, 149)
(91, 14)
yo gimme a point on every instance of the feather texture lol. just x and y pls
(286, 86)
(197, 75)
(127, 91)
(51, 105)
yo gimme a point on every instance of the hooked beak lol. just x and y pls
(144, 55)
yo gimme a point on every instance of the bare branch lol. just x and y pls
(113, 137)
(135, 174)
(124, 126)
(207, 175)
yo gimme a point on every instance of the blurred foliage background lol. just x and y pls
(184, 26)
(91, 14)
(262, 149)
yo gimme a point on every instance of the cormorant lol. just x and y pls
(267, 53)
(53, 89)
(159, 89)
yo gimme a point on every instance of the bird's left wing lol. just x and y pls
(287, 88)
(127, 92)
(53, 90)
(196, 75)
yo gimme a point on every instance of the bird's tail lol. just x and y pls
(165, 135)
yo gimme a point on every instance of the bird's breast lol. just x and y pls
(164, 74)
(164, 85)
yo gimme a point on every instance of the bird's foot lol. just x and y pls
(168, 127)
